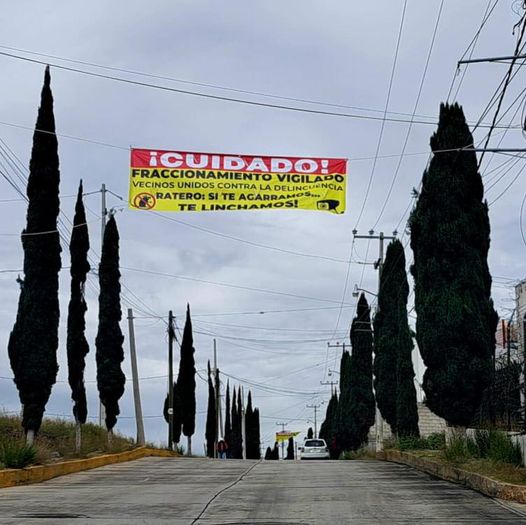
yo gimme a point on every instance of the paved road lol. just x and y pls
(185, 491)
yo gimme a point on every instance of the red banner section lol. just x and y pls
(146, 158)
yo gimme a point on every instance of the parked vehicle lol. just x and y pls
(314, 449)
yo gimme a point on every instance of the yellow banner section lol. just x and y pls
(191, 190)
(285, 436)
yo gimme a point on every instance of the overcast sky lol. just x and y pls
(334, 52)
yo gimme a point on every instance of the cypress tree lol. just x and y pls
(252, 430)
(249, 427)
(33, 341)
(186, 381)
(450, 237)
(290, 449)
(327, 429)
(362, 405)
(235, 449)
(210, 433)
(76, 345)
(228, 422)
(256, 451)
(393, 368)
(176, 420)
(342, 429)
(109, 340)
(310, 433)
(268, 454)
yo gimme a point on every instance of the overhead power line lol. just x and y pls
(211, 96)
(228, 285)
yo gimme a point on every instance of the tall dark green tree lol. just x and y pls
(249, 415)
(362, 405)
(393, 367)
(109, 340)
(76, 344)
(228, 421)
(342, 428)
(290, 449)
(310, 433)
(211, 420)
(235, 446)
(33, 341)
(177, 416)
(450, 238)
(186, 381)
(252, 432)
(327, 429)
(256, 450)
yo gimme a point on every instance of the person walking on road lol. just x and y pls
(222, 447)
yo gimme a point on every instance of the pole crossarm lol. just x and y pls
(489, 59)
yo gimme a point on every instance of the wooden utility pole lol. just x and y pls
(135, 379)
(171, 337)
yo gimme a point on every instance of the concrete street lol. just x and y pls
(186, 491)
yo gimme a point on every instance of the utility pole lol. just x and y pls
(217, 400)
(379, 266)
(103, 214)
(171, 337)
(282, 425)
(135, 379)
(331, 382)
(508, 369)
(243, 425)
(315, 407)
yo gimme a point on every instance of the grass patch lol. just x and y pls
(16, 454)
(490, 453)
(432, 442)
(56, 440)
(361, 453)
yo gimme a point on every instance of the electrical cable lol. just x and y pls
(382, 127)
(228, 285)
(415, 107)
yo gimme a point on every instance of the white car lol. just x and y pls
(314, 449)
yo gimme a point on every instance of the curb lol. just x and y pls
(36, 474)
(487, 486)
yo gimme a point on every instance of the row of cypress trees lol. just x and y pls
(456, 320)
(349, 417)
(33, 342)
(233, 426)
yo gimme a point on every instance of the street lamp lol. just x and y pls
(357, 290)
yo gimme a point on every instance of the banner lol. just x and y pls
(190, 182)
(285, 436)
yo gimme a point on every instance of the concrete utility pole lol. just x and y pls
(103, 214)
(315, 407)
(331, 382)
(171, 337)
(243, 424)
(508, 365)
(378, 265)
(135, 379)
(217, 400)
(282, 425)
